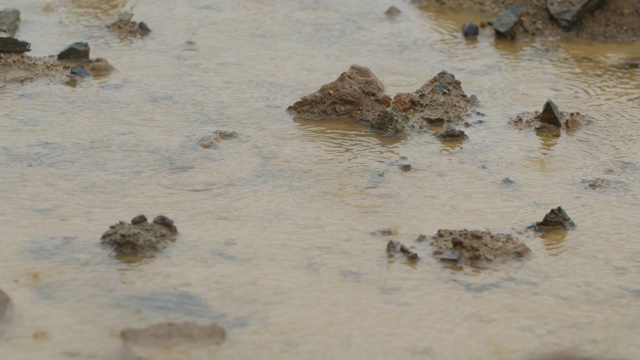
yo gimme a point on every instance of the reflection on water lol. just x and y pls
(275, 225)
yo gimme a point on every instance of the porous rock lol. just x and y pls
(441, 100)
(357, 95)
(569, 13)
(476, 248)
(140, 238)
(172, 334)
(504, 25)
(75, 51)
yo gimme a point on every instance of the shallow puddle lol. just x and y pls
(275, 226)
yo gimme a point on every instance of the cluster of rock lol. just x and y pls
(358, 95)
(140, 238)
(550, 119)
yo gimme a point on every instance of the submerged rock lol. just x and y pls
(550, 118)
(392, 11)
(5, 302)
(75, 51)
(140, 238)
(80, 71)
(9, 20)
(476, 248)
(556, 219)
(12, 45)
(171, 334)
(391, 122)
(504, 25)
(210, 141)
(125, 26)
(569, 13)
(470, 30)
(357, 95)
(441, 100)
(450, 133)
(397, 248)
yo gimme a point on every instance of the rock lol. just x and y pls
(9, 20)
(124, 26)
(144, 28)
(451, 134)
(140, 239)
(100, 67)
(391, 122)
(556, 219)
(405, 167)
(5, 303)
(75, 51)
(357, 95)
(210, 141)
(392, 11)
(470, 29)
(12, 45)
(476, 248)
(80, 71)
(504, 25)
(125, 16)
(171, 334)
(569, 13)
(441, 100)
(550, 114)
(396, 248)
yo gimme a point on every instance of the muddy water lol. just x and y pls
(275, 226)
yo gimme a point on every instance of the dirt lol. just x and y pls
(476, 248)
(19, 68)
(616, 20)
(5, 302)
(140, 238)
(171, 334)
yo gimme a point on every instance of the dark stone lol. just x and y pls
(164, 221)
(171, 334)
(75, 51)
(405, 167)
(392, 11)
(569, 13)
(556, 219)
(9, 19)
(506, 21)
(550, 114)
(451, 133)
(390, 122)
(144, 27)
(13, 45)
(470, 29)
(80, 71)
(140, 219)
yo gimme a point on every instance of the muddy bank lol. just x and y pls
(611, 20)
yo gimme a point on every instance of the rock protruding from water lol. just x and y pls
(450, 133)
(357, 95)
(569, 13)
(504, 25)
(140, 238)
(9, 20)
(391, 122)
(125, 26)
(441, 100)
(476, 248)
(397, 248)
(550, 114)
(75, 51)
(12, 45)
(392, 11)
(172, 334)
(5, 302)
(556, 219)
(470, 30)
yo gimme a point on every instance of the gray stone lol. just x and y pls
(140, 239)
(506, 21)
(80, 71)
(75, 51)
(550, 114)
(470, 29)
(5, 302)
(9, 19)
(144, 27)
(569, 13)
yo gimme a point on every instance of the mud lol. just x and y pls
(140, 238)
(125, 27)
(616, 20)
(5, 302)
(476, 248)
(19, 68)
(356, 94)
(172, 334)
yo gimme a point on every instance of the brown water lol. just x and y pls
(275, 226)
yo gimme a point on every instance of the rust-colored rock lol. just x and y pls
(402, 102)
(357, 95)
